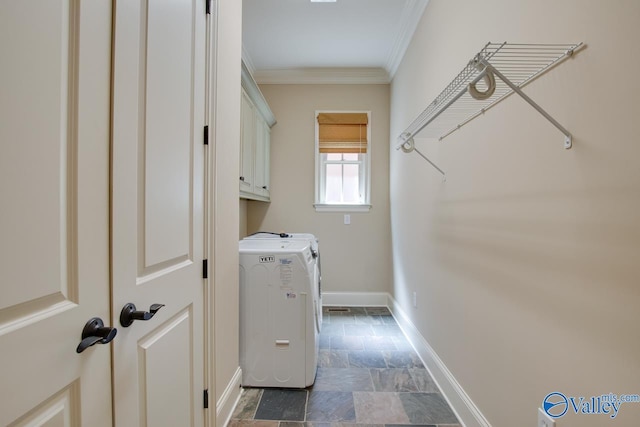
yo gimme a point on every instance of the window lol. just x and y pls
(343, 152)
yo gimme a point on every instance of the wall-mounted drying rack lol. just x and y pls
(476, 89)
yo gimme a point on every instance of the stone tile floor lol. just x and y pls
(368, 376)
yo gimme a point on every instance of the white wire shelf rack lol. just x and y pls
(494, 73)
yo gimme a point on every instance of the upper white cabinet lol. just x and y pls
(247, 143)
(255, 141)
(261, 163)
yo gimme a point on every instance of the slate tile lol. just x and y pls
(248, 403)
(252, 423)
(357, 330)
(366, 359)
(333, 358)
(407, 425)
(402, 343)
(282, 404)
(325, 341)
(402, 359)
(341, 319)
(379, 408)
(332, 329)
(379, 343)
(393, 380)
(427, 408)
(356, 425)
(368, 320)
(388, 320)
(346, 343)
(424, 381)
(380, 311)
(387, 330)
(337, 379)
(330, 406)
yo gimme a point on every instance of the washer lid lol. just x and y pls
(272, 245)
(266, 235)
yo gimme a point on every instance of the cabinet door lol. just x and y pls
(261, 177)
(247, 144)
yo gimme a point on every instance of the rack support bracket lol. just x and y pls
(539, 109)
(444, 177)
(408, 145)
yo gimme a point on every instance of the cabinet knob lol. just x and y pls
(242, 178)
(264, 187)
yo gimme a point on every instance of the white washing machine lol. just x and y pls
(315, 251)
(279, 325)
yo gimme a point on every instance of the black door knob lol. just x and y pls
(94, 332)
(129, 313)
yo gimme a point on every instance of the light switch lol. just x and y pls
(347, 219)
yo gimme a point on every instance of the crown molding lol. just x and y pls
(253, 91)
(410, 19)
(323, 76)
(248, 62)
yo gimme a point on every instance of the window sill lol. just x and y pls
(341, 208)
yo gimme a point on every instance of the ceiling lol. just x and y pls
(349, 41)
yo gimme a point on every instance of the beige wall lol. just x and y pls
(356, 257)
(526, 260)
(225, 211)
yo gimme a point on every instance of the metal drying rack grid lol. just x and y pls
(463, 100)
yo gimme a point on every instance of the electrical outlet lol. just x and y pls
(347, 219)
(544, 420)
(415, 299)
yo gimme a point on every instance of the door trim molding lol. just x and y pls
(229, 399)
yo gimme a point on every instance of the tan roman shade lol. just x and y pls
(343, 132)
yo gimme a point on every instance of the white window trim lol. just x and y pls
(340, 207)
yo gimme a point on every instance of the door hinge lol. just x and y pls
(206, 135)
(205, 269)
(205, 397)
(208, 7)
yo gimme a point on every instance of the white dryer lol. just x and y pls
(279, 325)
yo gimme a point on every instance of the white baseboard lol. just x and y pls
(355, 299)
(229, 399)
(464, 408)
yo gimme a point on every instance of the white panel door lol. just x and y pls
(158, 210)
(54, 219)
